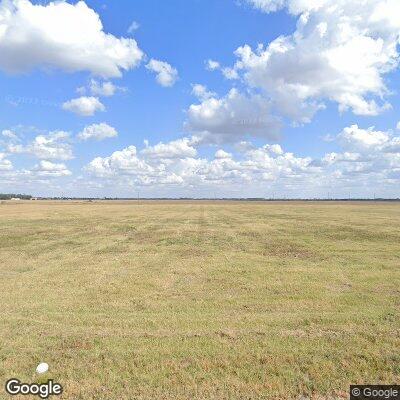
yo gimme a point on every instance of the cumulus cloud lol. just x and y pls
(5, 165)
(102, 88)
(180, 148)
(367, 154)
(340, 52)
(201, 92)
(357, 139)
(230, 73)
(84, 106)
(220, 154)
(243, 146)
(49, 169)
(369, 158)
(125, 162)
(232, 117)
(142, 168)
(61, 35)
(166, 75)
(53, 146)
(212, 65)
(176, 163)
(97, 132)
(333, 158)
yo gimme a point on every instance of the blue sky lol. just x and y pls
(196, 98)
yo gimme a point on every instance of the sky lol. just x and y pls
(200, 98)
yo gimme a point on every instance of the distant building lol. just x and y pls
(15, 198)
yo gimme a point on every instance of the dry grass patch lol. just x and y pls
(200, 300)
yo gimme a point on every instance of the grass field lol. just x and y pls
(200, 300)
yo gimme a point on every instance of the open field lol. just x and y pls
(200, 300)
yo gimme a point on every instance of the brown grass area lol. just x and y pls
(200, 300)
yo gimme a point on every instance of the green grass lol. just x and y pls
(200, 300)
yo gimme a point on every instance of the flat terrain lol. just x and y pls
(200, 300)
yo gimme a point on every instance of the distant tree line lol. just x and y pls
(8, 196)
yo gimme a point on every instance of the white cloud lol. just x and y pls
(49, 169)
(5, 165)
(370, 161)
(332, 158)
(61, 35)
(84, 106)
(369, 157)
(98, 132)
(102, 88)
(9, 135)
(53, 146)
(166, 74)
(268, 5)
(230, 73)
(134, 26)
(227, 72)
(212, 65)
(222, 154)
(125, 162)
(232, 117)
(243, 146)
(340, 52)
(357, 139)
(180, 148)
(175, 163)
(201, 92)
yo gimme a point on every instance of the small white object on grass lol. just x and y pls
(42, 368)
